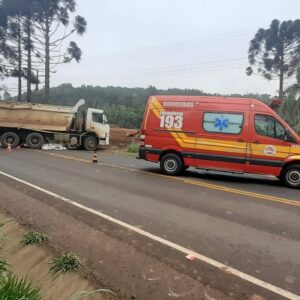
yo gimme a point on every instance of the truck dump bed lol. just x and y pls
(37, 116)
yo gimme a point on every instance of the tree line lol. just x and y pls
(32, 33)
(123, 106)
(31, 39)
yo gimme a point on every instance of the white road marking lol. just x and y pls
(185, 251)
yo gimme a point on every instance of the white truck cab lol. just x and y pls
(96, 122)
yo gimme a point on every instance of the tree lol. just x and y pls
(30, 16)
(54, 14)
(275, 50)
(10, 46)
(290, 109)
(294, 90)
(16, 44)
(6, 95)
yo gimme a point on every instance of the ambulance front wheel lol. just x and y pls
(291, 176)
(171, 164)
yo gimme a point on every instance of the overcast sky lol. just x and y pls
(199, 44)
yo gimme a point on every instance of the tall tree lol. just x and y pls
(10, 46)
(290, 109)
(16, 44)
(30, 17)
(273, 51)
(53, 15)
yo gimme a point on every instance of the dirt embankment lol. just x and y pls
(33, 263)
(121, 138)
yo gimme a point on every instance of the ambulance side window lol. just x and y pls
(269, 126)
(218, 122)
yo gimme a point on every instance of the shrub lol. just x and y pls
(12, 287)
(34, 238)
(133, 147)
(65, 262)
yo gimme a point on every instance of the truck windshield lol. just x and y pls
(97, 118)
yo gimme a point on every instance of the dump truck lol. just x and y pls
(36, 124)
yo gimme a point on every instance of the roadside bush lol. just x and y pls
(64, 263)
(34, 238)
(133, 147)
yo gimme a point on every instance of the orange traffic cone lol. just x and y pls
(8, 149)
(95, 157)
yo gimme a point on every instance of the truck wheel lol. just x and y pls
(171, 164)
(291, 176)
(35, 140)
(90, 143)
(10, 138)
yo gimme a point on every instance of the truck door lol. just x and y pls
(268, 147)
(96, 122)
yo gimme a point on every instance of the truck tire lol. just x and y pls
(90, 143)
(171, 164)
(291, 176)
(10, 138)
(35, 140)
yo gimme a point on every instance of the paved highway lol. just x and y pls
(249, 223)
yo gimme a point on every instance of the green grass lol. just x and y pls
(34, 238)
(133, 147)
(2, 225)
(64, 263)
(85, 294)
(12, 287)
(4, 267)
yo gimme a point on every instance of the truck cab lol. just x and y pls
(96, 122)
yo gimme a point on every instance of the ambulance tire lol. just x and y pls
(171, 164)
(291, 176)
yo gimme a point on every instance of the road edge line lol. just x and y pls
(222, 267)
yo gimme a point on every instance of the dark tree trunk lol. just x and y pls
(19, 62)
(281, 74)
(281, 82)
(47, 61)
(29, 67)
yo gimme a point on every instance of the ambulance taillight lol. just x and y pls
(142, 137)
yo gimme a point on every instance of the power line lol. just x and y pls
(192, 43)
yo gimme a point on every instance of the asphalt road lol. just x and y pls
(249, 223)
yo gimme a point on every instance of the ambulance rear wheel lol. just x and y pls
(171, 164)
(291, 176)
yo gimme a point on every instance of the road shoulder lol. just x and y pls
(117, 258)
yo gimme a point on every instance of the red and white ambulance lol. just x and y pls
(219, 133)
